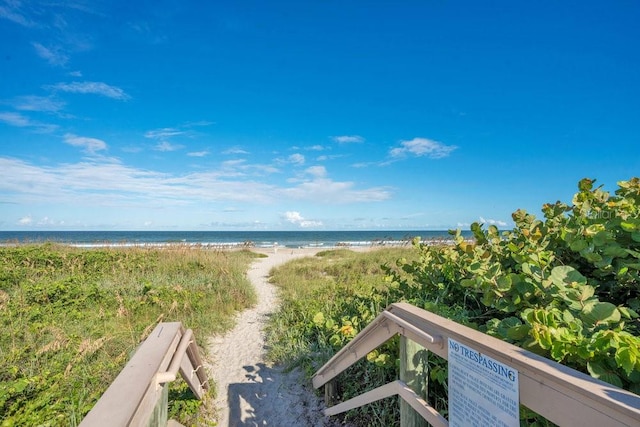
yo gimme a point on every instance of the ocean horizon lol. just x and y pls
(228, 239)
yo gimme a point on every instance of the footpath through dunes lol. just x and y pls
(250, 391)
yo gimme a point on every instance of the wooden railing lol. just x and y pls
(560, 394)
(138, 396)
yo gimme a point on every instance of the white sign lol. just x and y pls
(482, 391)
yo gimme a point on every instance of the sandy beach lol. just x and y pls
(250, 391)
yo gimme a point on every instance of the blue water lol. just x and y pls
(289, 239)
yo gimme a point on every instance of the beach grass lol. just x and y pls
(70, 318)
(345, 285)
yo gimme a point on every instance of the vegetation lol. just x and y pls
(566, 287)
(326, 301)
(70, 319)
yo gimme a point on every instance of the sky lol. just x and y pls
(318, 115)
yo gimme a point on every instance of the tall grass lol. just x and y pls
(326, 301)
(70, 318)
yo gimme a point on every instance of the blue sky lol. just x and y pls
(278, 115)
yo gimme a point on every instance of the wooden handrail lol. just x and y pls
(562, 395)
(134, 396)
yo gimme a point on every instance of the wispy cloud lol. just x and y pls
(320, 189)
(297, 219)
(235, 150)
(54, 55)
(167, 146)
(493, 222)
(20, 120)
(113, 184)
(25, 220)
(203, 153)
(37, 103)
(15, 119)
(95, 88)
(296, 159)
(422, 147)
(347, 139)
(11, 10)
(163, 133)
(89, 145)
(317, 171)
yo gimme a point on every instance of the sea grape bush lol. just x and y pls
(566, 286)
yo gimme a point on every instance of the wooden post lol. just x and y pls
(330, 393)
(414, 372)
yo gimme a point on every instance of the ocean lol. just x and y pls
(226, 239)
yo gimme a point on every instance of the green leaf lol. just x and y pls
(566, 275)
(318, 319)
(504, 283)
(578, 245)
(598, 370)
(626, 359)
(518, 332)
(602, 238)
(595, 313)
(586, 184)
(558, 350)
(630, 225)
(594, 229)
(335, 340)
(614, 250)
(627, 313)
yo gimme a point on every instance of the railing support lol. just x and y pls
(138, 395)
(414, 372)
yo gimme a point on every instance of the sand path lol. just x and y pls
(250, 391)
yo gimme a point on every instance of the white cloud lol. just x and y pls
(296, 159)
(10, 10)
(95, 88)
(317, 171)
(15, 119)
(493, 222)
(325, 190)
(19, 120)
(163, 133)
(203, 153)
(422, 147)
(235, 150)
(53, 55)
(167, 146)
(297, 219)
(346, 139)
(37, 103)
(105, 183)
(26, 220)
(90, 145)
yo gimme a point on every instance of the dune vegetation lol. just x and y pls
(566, 287)
(70, 318)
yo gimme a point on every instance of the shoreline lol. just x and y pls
(223, 246)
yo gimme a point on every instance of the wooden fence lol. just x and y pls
(560, 394)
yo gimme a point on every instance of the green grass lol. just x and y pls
(70, 319)
(326, 301)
